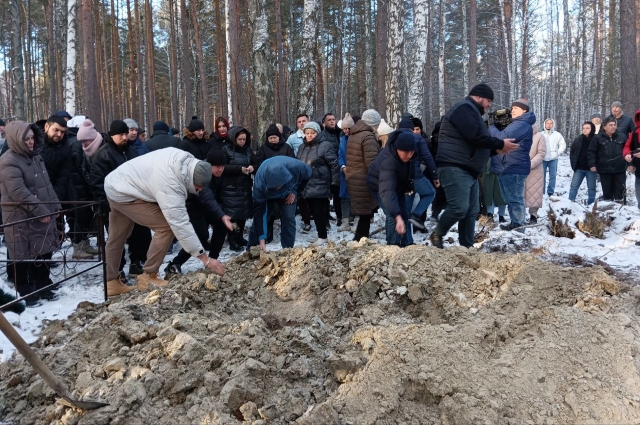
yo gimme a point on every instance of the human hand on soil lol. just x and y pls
(215, 266)
(400, 228)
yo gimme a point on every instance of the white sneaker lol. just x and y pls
(321, 242)
(344, 227)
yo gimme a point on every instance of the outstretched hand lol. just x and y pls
(226, 220)
(509, 146)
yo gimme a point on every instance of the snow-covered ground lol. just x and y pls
(618, 250)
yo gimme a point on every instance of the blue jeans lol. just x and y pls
(392, 237)
(287, 225)
(423, 187)
(462, 192)
(576, 181)
(491, 209)
(553, 170)
(512, 189)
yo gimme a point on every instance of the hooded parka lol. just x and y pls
(24, 179)
(237, 186)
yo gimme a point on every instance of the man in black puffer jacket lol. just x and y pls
(605, 156)
(161, 138)
(274, 145)
(464, 147)
(115, 152)
(390, 178)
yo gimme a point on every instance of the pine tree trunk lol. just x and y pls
(235, 58)
(381, 54)
(70, 70)
(173, 66)
(91, 101)
(230, 99)
(465, 46)
(262, 70)
(368, 51)
(133, 64)
(151, 68)
(51, 56)
(628, 68)
(318, 57)
(524, 67)
(17, 62)
(186, 69)
(473, 42)
(420, 30)
(307, 91)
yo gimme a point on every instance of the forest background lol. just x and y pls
(264, 61)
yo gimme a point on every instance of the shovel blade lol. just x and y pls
(80, 404)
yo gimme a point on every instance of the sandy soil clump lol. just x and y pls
(355, 333)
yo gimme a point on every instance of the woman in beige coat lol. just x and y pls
(534, 185)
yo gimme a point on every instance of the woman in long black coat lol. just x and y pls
(237, 183)
(24, 180)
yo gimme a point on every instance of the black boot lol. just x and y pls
(235, 241)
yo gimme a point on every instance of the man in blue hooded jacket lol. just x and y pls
(514, 167)
(278, 180)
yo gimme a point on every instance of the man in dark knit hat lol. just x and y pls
(464, 147)
(161, 138)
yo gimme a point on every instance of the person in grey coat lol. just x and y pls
(321, 156)
(24, 180)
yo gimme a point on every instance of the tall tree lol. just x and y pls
(51, 55)
(203, 99)
(152, 112)
(307, 58)
(90, 94)
(473, 42)
(17, 62)
(262, 83)
(70, 69)
(282, 112)
(381, 54)
(441, 57)
(185, 62)
(221, 56)
(420, 30)
(173, 64)
(234, 58)
(629, 64)
(394, 61)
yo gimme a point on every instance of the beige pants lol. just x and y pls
(121, 220)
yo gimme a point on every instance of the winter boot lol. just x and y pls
(172, 270)
(417, 222)
(87, 247)
(146, 279)
(436, 240)
(79, 252)
(116, 287)
(135, 269)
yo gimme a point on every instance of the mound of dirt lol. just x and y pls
(356, 333)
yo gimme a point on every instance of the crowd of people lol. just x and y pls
(175, 188)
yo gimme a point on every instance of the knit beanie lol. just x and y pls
(371, 117)
(406, 115)
(216, 157)
(160, 125)
(118, 127)
(273, 131)
(607, 120)
(131, 123)
(384, 128)
(596, 115)
(406, 123)
(202, 174)
(195, 125)
(406, 142)
(482, 90)
(87, 131)
(417, 122)
(521, 103)
(174, 131)
(313, 126)
(347, 121)
(2, 122)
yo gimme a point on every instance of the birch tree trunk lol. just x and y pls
(17, 61)
(262, 83)
(420, 32)
(230, 100)
(465, 46)
(203, 107)
(368, 50)
(51, 54)
(307, 58)
(394, 62)
(282, 112)
(381, 54)
(441, 45)
(70, 70)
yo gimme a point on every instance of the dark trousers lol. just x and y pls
(305, 212)
(198, 220)
(439, 202)
(139, 242)
(337, 203)
(319, 209)
(364, 227)
(32, 276)
(462, 192)
(613, 186)
(80, 224)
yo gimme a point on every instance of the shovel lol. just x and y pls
(56, 385)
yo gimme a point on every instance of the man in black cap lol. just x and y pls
(64, 114)
(161, 138)
(464, 147)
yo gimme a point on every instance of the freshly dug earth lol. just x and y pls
(356, 333)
